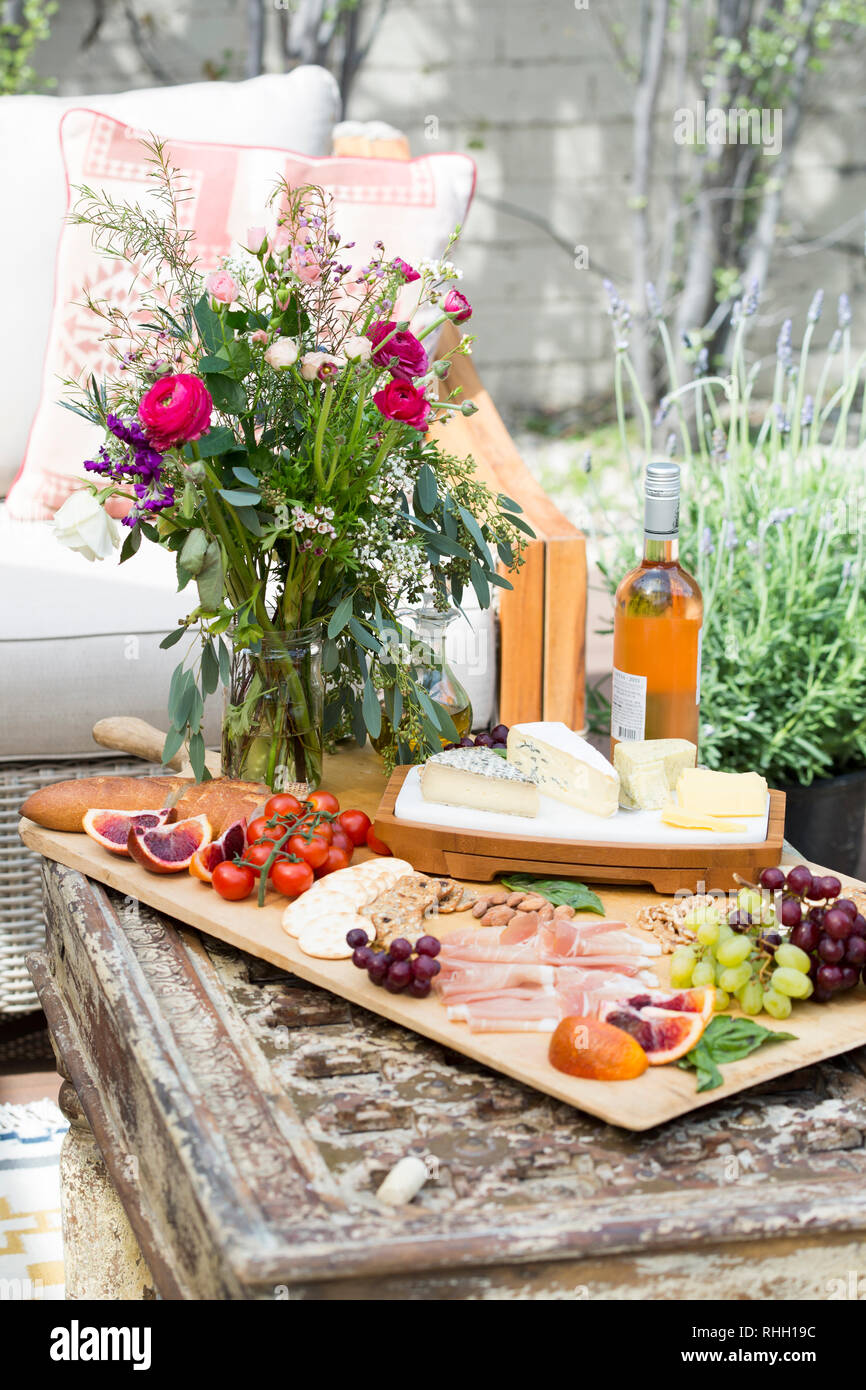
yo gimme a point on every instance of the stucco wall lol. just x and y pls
(531, 89)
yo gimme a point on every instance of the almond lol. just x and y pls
(534, 902)
(498, 916)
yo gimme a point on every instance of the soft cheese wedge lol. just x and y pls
(480, 779)
(649, 770)
(701, 792)
(563, 765)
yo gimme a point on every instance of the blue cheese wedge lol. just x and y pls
(649, 770)
(480, 779)
(565, 766)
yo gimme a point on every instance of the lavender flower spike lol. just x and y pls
(807, 414)
(652, 300)
(750, 304)
(783, 345)
(816, 306)
(844, 311)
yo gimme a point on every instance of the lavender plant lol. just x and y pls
(772, 526)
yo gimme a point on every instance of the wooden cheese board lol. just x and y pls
(482, 855)
(661, 1094)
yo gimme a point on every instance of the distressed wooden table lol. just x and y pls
(231, 1123)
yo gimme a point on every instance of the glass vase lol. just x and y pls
(425, 629)
(274, 710)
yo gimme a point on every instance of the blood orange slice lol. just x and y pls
(597, 1050)
(231, 842)
(682, 1001)
(663, 1034)
(111, 828)
(170, 848)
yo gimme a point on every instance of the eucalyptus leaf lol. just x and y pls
(340, 616)
(193, 552)
(359, 726)
(173, 744)
(479, 584)
(364, 637)
(224, 663)
(245, 475)
(239, 497)
(372, 710)
(476, 533)
(196, 756)
(428, 493)
(209, 580)
(172, 639)
(210, 670)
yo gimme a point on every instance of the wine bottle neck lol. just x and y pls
(660, 552)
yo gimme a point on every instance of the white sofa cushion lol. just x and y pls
(80, 640)
(296, 109)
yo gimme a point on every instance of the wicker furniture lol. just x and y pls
(21, 926)
(231, 1124)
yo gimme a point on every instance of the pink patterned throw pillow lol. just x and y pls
(413, 205)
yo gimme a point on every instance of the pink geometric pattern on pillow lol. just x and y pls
(411, 205)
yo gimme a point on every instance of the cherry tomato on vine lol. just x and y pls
(283, 804)
(314, 852)
(257, 855)
(356, 824)
(324, 801)
(375, 844)
(322, 831)
(291, 879)
(233, 881)
(341, 841)
(337, 859)
(258, 830)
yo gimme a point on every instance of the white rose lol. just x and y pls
(357, 349)
(82, 524)
(281, 354)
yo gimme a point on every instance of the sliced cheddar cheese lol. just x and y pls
(672, 815)
(701, 792)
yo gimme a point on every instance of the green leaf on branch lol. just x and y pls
(476, 533)
(173, 744)
(498, 579)
(446, 546)
(219, 440)
(196, 756)
(171, 639)
(193, 552)
(130, 545)
(522, 526)
(506, 554)
(245, 475)
(225, 664)
(209, 580)
(480, 585)
(249, 519)
(372, 710)
(228, 395)
(340, 616)
(210, 363)
(364, 637)
(210, 669)
(239, 497)
(428, 493)
(359, 727)
(508, 504)
(208, 325)
(330, 656)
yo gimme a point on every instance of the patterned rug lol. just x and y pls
(31, 1245)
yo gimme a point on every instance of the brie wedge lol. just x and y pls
(563, 765)
(480, 779)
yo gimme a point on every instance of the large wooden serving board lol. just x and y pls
(482, 855)
(661, 1094)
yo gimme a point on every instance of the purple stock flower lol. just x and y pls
(133, 460)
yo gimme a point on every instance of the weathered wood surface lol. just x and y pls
(246, 1119)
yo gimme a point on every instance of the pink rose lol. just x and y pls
(403, 355)
(175, 410)
(306, 266)
(400, 401)
(220, 285)
(408, 271)
(458, 306)
(260, 336)
(257, 238)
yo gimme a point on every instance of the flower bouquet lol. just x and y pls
(266, 423)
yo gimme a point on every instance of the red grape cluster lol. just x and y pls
(829, 928)
(397, 969)
(497, 738)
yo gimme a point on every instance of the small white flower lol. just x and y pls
(357, 349)
(82, 524)
(282, 354)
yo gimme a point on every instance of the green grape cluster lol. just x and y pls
(751, 966)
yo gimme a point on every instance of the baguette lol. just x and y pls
(63, 805)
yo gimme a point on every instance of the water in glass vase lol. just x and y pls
(658, 617)
(274, 710)
(431, 670)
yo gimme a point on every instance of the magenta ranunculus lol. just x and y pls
(401, 401)
(408, 271)
(175, 410)
(457, 306)
(403, 355)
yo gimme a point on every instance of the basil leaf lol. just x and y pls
(562, 892)
(727, 1040)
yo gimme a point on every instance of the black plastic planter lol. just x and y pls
(825, 821)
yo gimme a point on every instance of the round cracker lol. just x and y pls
(326, 939)
(313, 906)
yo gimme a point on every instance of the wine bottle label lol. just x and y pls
(627, 706)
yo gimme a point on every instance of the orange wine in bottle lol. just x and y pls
(658, 618)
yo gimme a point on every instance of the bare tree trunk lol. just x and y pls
(654, 20)
(255, 38)
(761, 245)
